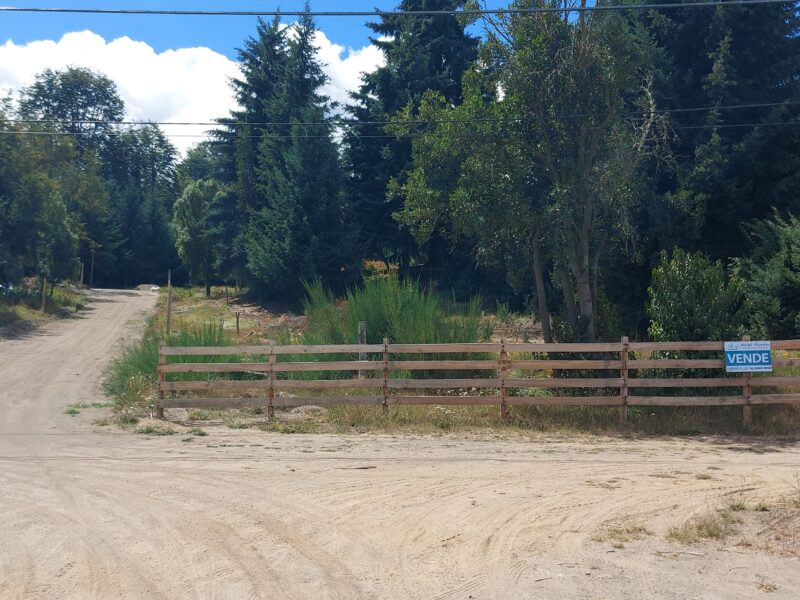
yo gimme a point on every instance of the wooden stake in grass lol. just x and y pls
(623, 410)
(162, 360)
(169, 303)
(44, 293)
(362, 339)
(385, 374)
(503, 389)
(272, 361)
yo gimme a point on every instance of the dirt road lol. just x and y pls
(93, 512)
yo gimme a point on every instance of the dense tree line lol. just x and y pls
(76, 186)
(604, 170)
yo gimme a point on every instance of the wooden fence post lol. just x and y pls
(272, 361)
(237, 324)
(44, 293)
(385, 374)
(169, 303)
(624, 392)
(503, 390)
(362, 339)
(162, 360)
(747, 391)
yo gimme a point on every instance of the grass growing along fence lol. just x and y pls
(131, 379)
(132, 383)
(392, 308)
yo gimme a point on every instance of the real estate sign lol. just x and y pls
(748, 357)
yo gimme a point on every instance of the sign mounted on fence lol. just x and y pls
(748, 357)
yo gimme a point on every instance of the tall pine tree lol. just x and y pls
(422, 53)
(298, 227)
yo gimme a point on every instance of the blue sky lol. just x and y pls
(222, 34)
(174, 69)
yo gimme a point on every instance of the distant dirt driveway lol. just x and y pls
(94, 512)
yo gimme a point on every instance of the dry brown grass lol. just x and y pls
(619, 535)
(712, 525)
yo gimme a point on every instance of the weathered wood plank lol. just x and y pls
(779, 363)
(342, 365)
(214, 402)
(436, 365)
(675, 346)
(224, 403)
(786, 345)
(757, 382)
(687, 382)
(422, 384)
(330, 349)
(549, 365)
(214, 368)
(328, 401)
(599, 382)
(442, 348)
(444, 400)
(775, 399)
(686, 400)
(565, 400)
(581, 348)
(214, 350)
(217, 384)
(664, 363)
(327, 384)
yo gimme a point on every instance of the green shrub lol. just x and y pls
(772, 273)
(692, 299)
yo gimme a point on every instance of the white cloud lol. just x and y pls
(181, 85)
(345, 67)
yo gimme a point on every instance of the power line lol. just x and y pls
(380, 13)
(464, 134)
(349, 122)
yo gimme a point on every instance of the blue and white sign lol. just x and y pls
(748, 357)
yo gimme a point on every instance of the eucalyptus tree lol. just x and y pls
(572, 101)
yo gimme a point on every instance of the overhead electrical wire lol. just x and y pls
(463, 134)
(392, 13)
(348, 122)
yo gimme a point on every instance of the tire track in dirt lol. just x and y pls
(92, 514)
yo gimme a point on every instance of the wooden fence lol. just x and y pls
(505, 374)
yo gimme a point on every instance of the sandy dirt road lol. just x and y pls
(93, 512)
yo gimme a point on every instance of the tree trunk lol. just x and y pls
(541, 297)
(569, 298)
(208, 289)
(584, 288)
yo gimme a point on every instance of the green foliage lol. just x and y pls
(545, 191)
(692, 299)
(101, 196)
(392, 308)
(729, 173)
(192, 229)
(772, 273)
(420, 55)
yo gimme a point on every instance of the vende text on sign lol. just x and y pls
(748, 357)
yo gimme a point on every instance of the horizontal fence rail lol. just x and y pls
(503, 374)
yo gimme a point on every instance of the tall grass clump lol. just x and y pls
(396, 309)
(131, 379)
(392, 308)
